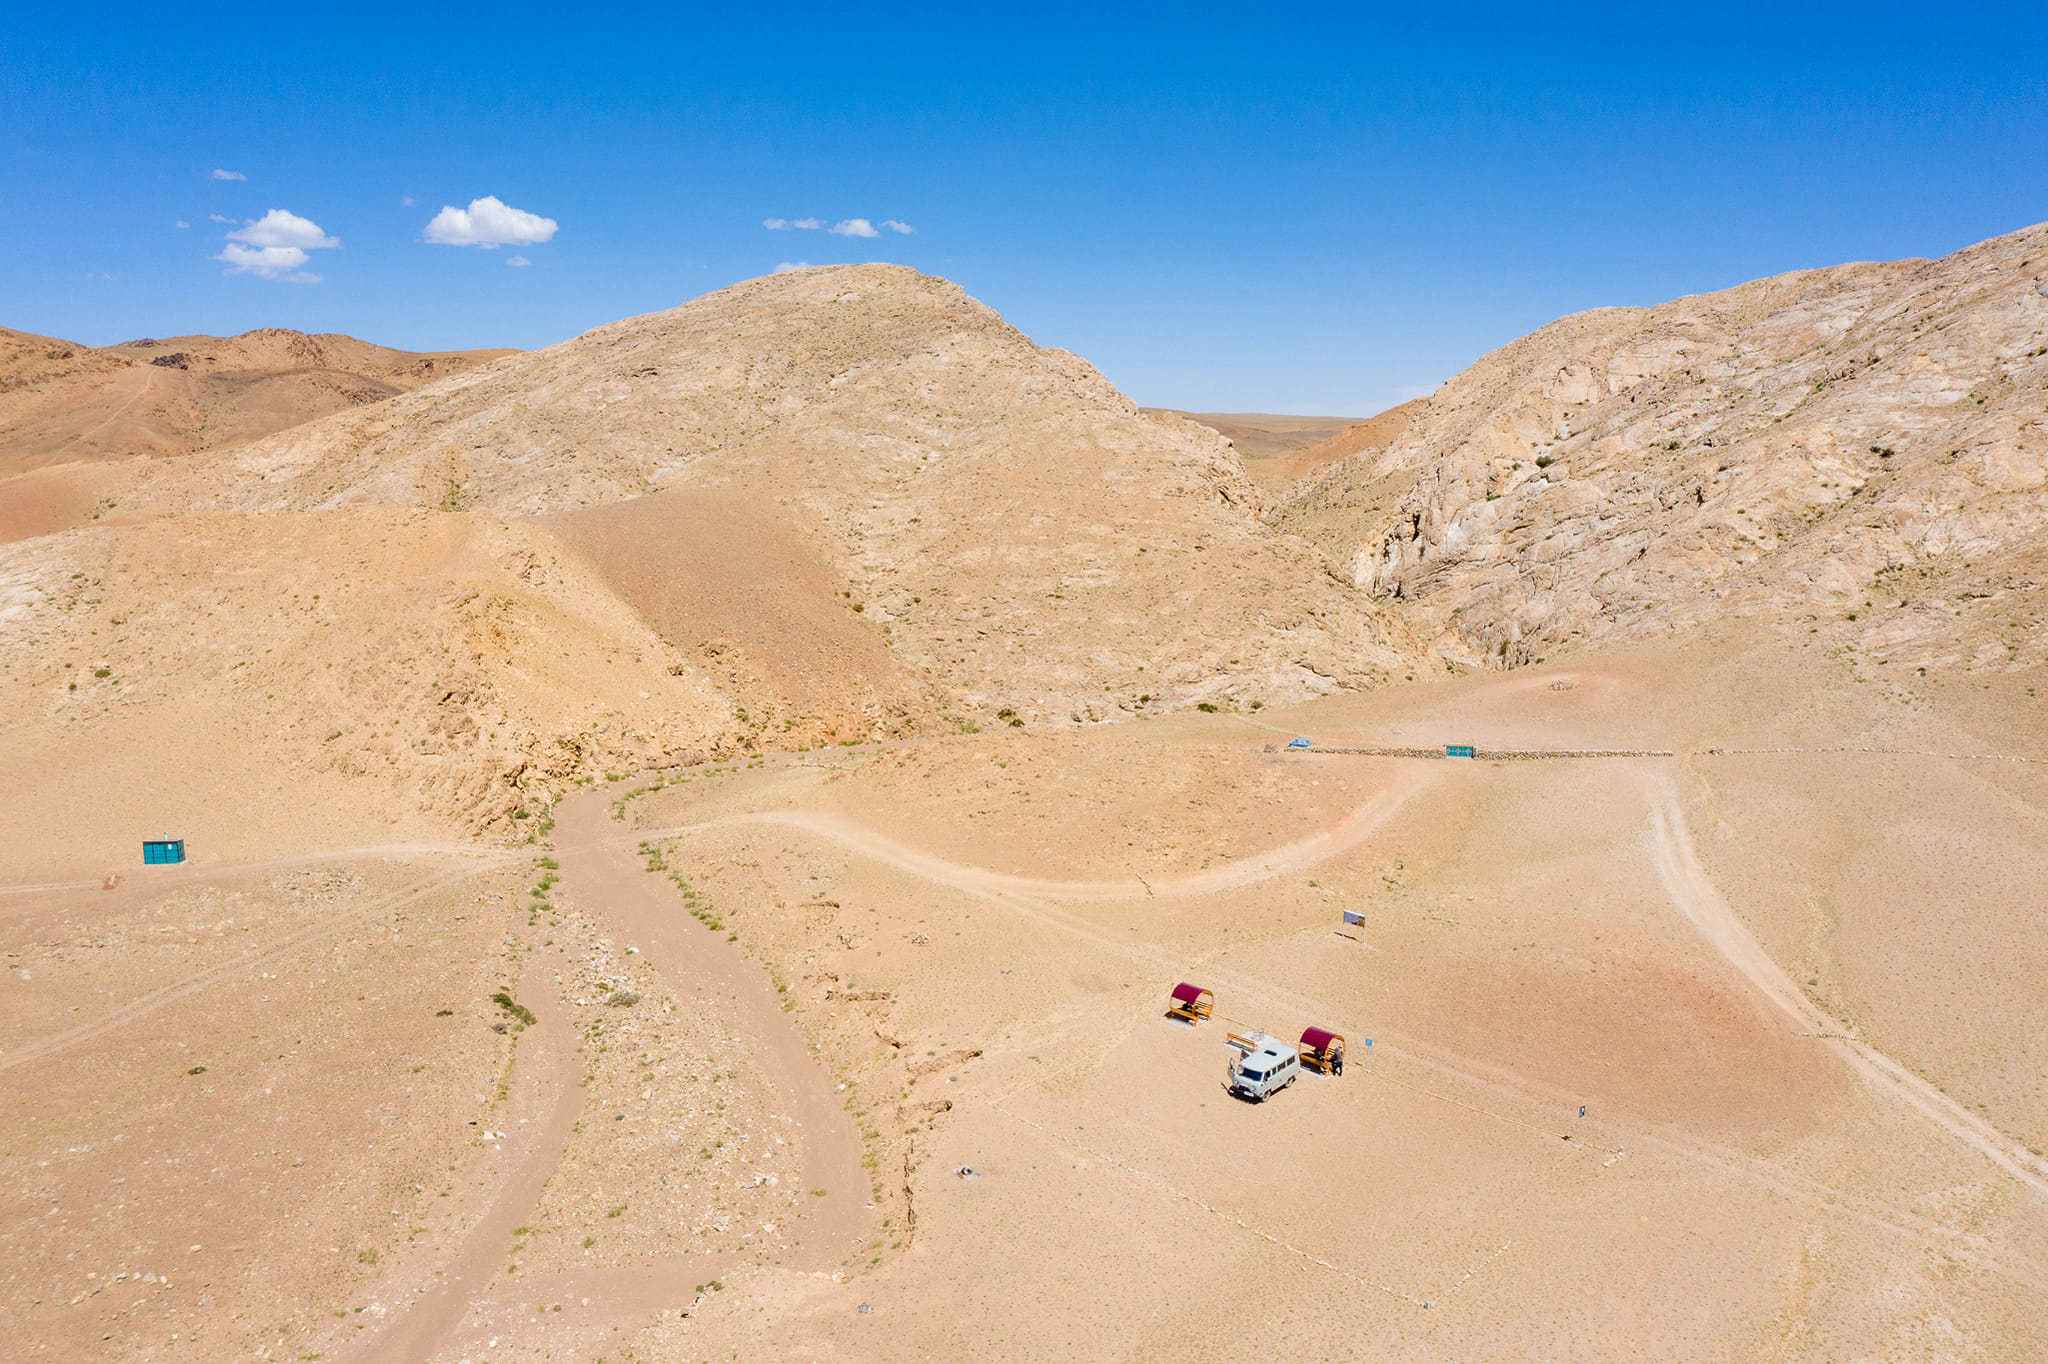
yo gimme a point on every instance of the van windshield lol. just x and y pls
(1251, 1074)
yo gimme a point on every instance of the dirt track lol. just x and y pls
(1679, 870)
(471, 1298)
(1348, 832)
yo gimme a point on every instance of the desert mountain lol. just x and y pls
(1858, 451)
(833, 504)
(62, 402)
(1718, 1035)
(860, 476)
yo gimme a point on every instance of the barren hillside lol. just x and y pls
(1020, 536)
(1859, 451)
(61, 402)
(831, 505)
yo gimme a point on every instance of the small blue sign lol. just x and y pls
(1459, 751)
(1297, 743)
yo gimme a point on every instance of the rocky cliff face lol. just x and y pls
(1861, 451)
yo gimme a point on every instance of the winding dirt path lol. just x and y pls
(1696, 897)
(546, 1097)
(608, 882)
(471, 1298)
(1353, 829)
(1027, 896)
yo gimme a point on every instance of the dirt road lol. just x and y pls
(1693, 892)
(470, 1299)
(1353, 829)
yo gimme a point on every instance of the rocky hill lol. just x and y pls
(62, 402)
(835, 504)
(1860, 451)
(858, 480)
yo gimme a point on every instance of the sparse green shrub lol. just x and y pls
(515, 1008)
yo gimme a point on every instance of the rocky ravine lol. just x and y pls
(1861, 450)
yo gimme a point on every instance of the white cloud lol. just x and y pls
(267, 262)
(489, 223)
(217, 218)
(518, 260)
(181, 223)
(218, 174)
(407, 200)
(895, 226)
(280, 227)
(854, 227)
(787, 224)
(275, 246)
(793, 265)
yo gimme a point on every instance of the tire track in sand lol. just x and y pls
(291, 942)
(470, 1297)
(1353, 829)
(1696, 897)
(1026, 895)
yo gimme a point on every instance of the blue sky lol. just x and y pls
(1322, 212)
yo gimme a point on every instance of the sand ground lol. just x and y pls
(1791, 973)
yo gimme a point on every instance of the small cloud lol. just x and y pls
(280, 227)
(218, 174)
(518, 260)
(275, 246)
(407, 200)
(793, 265)
(181, 223)
(791, 224)
(90, 274)
(854, 227)
(894, 226)
(217, 218)
(489, 223)
(267, 262)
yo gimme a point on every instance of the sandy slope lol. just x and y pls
(1012, 528)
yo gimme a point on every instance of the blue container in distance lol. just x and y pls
(163, 850)
(1458, 751)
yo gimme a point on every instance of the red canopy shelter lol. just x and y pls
(1322, 1049)
(1191, 1002)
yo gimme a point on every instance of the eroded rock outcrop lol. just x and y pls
(1863, 449)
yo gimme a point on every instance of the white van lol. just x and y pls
(1264, 1066)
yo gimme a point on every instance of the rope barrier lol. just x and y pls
(1492, 754)
(1882, 752)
